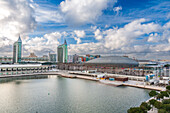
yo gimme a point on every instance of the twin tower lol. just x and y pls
(17, 51)
(61, 51)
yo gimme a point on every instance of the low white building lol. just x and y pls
(22, 69)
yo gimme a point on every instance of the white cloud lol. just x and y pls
(41, 45)
(98, 35)
(117, 9)
(85, 48)
(120, 41)
(85, 11)
(45, 15)
(117, 38)
(16, 17)
(78, 40)
(80, 33)
(153, 37)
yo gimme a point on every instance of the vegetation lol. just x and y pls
(167, 65)
(163, 105)
(158, 105)
(160, 96)
(162, 111)
(166, 101)
(168, 87)
(152, 93)
(145, 106)
(167, 107)
(152, 102)
(135, 110)
(164, 93)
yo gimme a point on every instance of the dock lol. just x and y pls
(145, 87)
(87, 78)
(90, 76)
(114, 83)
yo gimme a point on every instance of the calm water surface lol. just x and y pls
(62, 95)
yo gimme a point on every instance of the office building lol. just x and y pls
(52, 57)
(17, 51)
(62, 53)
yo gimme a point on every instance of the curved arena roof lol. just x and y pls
(113, 60)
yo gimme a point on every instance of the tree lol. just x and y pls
(164, 93)
(135, 110)
(152, 93)
(145, 107)
(168, 87)
(167, 107)
(160, 96)
(167, 65)
(166, 101)
(162, 111)
(158, 105)
(152, 102)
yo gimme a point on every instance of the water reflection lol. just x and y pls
(63, 95)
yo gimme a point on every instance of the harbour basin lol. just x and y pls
(64, 95)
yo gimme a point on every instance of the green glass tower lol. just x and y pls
(17, 51)
(62, 53)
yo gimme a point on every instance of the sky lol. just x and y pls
(137, 28)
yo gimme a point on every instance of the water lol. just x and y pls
(64, 95)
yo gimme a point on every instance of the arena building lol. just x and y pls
(112, 64)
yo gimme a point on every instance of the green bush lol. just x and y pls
(167, 107)
(145, 107)
(166, 101)
(164, 93)
(162, 111)
(168, 87)
(158, 105)
(152, 93)
(160, 96)
(152, 102)
(136, 110)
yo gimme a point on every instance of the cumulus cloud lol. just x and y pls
(16, 17)
(78, 40)
(41, 45)
(98, 35)
(117, 9)
(126, 40)
(153, 37)
(117, 38)
(85, 11)
(80, 33)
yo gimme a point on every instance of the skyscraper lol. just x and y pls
(52, 57)
(17, 51)
(62, 53)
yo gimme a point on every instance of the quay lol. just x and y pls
(145, 87)
(39, 70)
(138, 84)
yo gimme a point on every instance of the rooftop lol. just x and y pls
(15, 65)
(113, 60)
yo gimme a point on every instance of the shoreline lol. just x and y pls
(117, 83)
(81, 76)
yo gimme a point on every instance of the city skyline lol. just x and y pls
(138, 29)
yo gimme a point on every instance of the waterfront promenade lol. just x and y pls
(131, 83)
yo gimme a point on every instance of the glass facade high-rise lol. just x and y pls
(17, 51)
(62, 53)
(52, 57)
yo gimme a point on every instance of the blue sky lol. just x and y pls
(138, 28)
